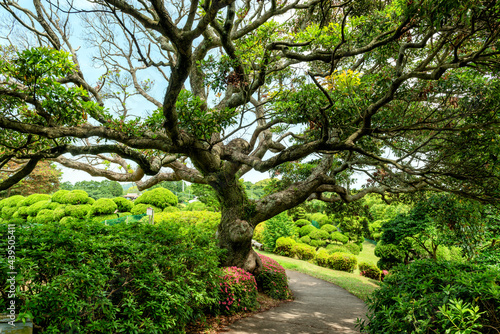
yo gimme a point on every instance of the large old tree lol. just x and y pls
(404, 91)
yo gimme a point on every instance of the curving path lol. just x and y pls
(319, 307)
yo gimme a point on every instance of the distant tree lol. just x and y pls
(102, 189)
(44, 179)
(206, 195)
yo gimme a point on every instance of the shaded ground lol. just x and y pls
(319, 307)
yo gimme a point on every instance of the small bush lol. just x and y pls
(276, 227)
(284, 246)
(305, 239)
(339, 237)
(59, 212)
(336, 249)
(208, 221)
(370, 271)
(353, 248)
(305, 230)
(304, 252)
(319, 234)
(328, 228)
(123, 204)
(343, 261)
(36, 207)
(103, 218)
(322, 258)
(195, 206)
(8, 211)
(390, 256)
(77, 211)
(44, 216)
(32, 199)
(22, 211)
(237, 291)
(139, 209)
(302, 222)
(258, 232)
(75, 197)
(67, 220)
(321, 218)
(11, 201)
(171, 209)
(159, 197)
(60, 196)
(103, 206)
(273, 280)
(318, 243)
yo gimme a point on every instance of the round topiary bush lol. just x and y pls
(353, 248)
(339, 237)
(32, 199)
(305, 239)
(329, 228)
(159, 197)
(77, 197)
(336, 249)
(8, 211)
(321, 258)
(123, 204)
(343, 261)
(321, 218)
(195, 206)
(59, 212)
(36, 207)
(304, 252)
(171, 209)
(302, 222)
(103, 206)
(139, 209)
(44, 216)
(305, 230)
(11, 201)
(319, 234)
(318, 243)
(284, 246)
(258, 232)
(370, 271)
(77, 211)
(273, 280)
(67, 220)
(60, 196)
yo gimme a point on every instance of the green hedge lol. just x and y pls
(302, 222)
(11, 201)
(141, 208)
(304, 252)
(103, 206)
(60, 196)
(37, 207)
(129, 278)
(32, 199)
(123, 204)
(77, 197)
(202, 219)
(77, 211)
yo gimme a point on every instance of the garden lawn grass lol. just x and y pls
(367, 254)
(356, 284)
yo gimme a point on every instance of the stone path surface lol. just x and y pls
(319, 307)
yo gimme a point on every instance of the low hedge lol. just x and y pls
(85, 277)
(77, 211)
(273, 280)
(304, 252)
(284, 246)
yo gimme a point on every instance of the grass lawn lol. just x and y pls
(356, 284)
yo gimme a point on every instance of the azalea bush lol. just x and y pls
(237, 291)
(370, 271)
(273, 280)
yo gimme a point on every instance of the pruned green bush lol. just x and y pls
(77, 211)
(103, 206)
(206, 220)
(370, 271)
(11, 201)
(305, 239)
(284, 246)
(139, 209)
(304, 252)
(123, 214)
(318, 243)
(258, 232)
(129, 278)
(22, 211)
(103, 218)
(32, 199)
(123, 204)
(171, 209)
(44, 216)
(353, 248)
(302, 222)
(273, 280)
(158, 197)
(426, 296)
(390, 256)
(36, 207)
(321, 218)
(329, 228)
(60, 196)
(75, 197)
(59, 212)
(321, 258)
(67, 220)
(339, 237)
(318, 234)
(8, 211)
(336, 249)
(305, 230)
(343, 261)
(195, 206)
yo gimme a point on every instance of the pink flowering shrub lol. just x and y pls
(237, 291)
(370, 271)
(272, 280)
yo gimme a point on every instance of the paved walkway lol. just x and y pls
(319, 307)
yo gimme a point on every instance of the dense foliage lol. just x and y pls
(273, 280)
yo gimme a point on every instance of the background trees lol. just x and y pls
(405, 93)
(44, 179)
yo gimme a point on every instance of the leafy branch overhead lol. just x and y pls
(404, 93)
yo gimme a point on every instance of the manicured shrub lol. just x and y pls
(123, 204)
(353, 248)
(258, 232)
(305, 230)
(59, 212)
(370, 271)
(321, 258)
(339, 237)
(123, 214)
(305, 239)
(171, 209)
(206, 220)
(304, 252)
(284, 246)
(139, 209)
(77, 211)
(329, 228)
(343, 261)
(60, 196)
(36, 207)
(90, 200)
(195, 206)
(390, 256)
(318, 234)
(127, 278)
(321, 218)
(276, 227)
(11, 201)
(273, 280)
(103, 218)
(67, 220)
(158, 197)
(103, 206)
(22, 211)
(425, 296)
(32, 199)
(8, 211)
(77, 197)
(336, 249)
(302, 222)
(318, 243)
(44, 216)
(237, 291)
